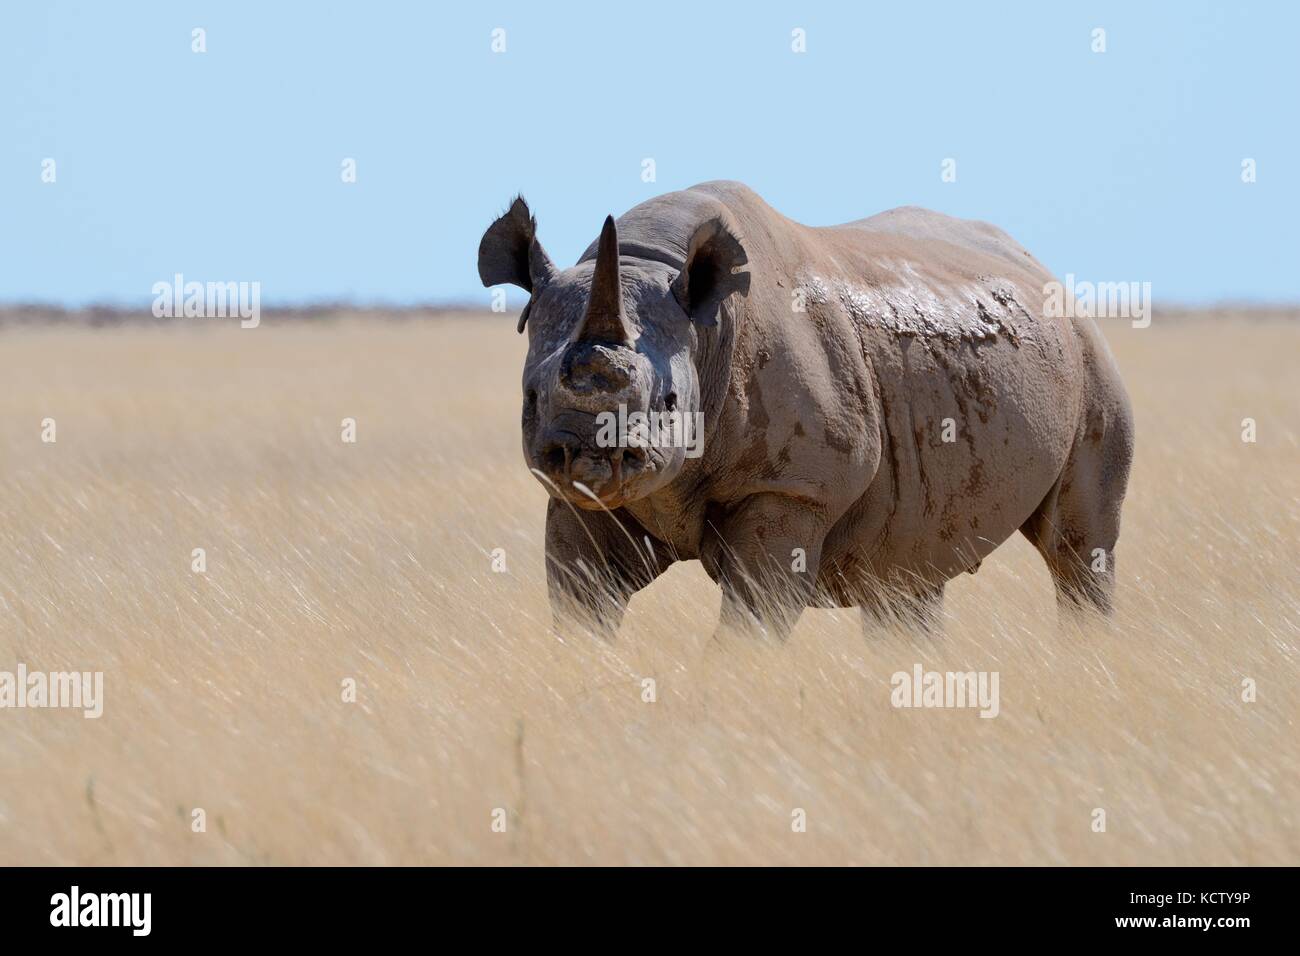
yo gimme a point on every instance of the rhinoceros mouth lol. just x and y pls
(597, 482)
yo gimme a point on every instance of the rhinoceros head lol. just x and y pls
(611, 389)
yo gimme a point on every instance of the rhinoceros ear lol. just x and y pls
(708, 276)
(510, 252)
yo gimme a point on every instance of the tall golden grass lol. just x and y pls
(372, 561)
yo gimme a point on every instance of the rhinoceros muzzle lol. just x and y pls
(573, 466)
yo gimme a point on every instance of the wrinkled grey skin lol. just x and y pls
(826, 363)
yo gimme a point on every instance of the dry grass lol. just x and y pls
(370, 561)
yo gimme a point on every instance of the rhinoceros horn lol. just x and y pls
(605, 321)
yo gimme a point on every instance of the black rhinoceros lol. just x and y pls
(880, 404)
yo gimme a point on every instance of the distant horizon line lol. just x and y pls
(117, 307)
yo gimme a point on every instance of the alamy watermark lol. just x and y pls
(950, 689)
(674, 429)
(130, 910)
(72, 690)
(208, 300)
(1098, 300)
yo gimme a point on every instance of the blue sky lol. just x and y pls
(1119, 166)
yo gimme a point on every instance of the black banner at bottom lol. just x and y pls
(334, 906)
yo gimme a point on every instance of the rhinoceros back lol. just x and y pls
(925, 224)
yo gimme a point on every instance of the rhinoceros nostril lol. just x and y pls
(559, 452)
(554, 458)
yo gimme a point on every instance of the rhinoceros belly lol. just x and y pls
(978, 403)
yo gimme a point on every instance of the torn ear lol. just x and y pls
(509, 252)
(708, 277)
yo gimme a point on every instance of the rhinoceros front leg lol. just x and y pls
(765, 554)
(595, 561)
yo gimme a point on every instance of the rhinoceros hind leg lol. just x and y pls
(1077, 525)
